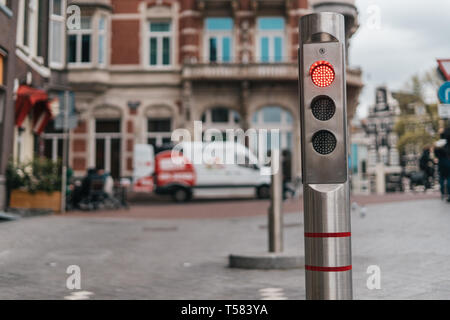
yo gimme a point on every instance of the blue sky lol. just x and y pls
(410, 35)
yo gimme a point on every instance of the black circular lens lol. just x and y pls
(324, 142)
(323, 108)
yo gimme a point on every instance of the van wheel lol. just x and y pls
(181, 195)
(263, 192)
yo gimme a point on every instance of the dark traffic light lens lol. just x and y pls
(324, 142)
(323, 108)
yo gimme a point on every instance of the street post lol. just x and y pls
(65, 151)
(326, 197)
(275, 225)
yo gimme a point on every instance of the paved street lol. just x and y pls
(136, 258)
(165, 208)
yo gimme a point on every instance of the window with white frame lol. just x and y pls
(108, 153)
(2, 86)
(6, 3)
(220, 119)
(27, 26)
(218, 39)
(26, 8)
(80, 43)
(159, 131)
(57, 33)
(271, 39)
(274, 117)
(102, 40)
(159, 43)
(51, 142)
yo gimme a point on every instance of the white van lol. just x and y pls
(201, 169)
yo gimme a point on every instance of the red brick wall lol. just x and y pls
(302, 4)
(125, 42)
(125, 6)
(79, 164)
(131, 6)
(81, 128)
(130, 164)
(187, 4)
(130, 145)
(130, 126)
(128, 31)
(188, 22)
(79, 145)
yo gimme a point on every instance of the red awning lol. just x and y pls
(42, 114)
(30, 98)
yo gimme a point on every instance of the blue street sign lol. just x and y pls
(444, 93)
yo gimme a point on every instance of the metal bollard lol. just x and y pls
(275, 224)
(324, 139)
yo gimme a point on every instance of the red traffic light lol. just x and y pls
(322, 73)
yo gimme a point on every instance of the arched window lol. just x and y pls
(219, 119)
(273, 117)
(270, 118)
(107, 144)
(159, 123)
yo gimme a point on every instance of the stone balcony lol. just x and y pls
(254, 72)
(233, 72)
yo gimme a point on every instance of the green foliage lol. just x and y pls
(414, 130)
(418, 139)
(39, 174)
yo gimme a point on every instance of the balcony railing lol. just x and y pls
(255, 72)
(230, 72)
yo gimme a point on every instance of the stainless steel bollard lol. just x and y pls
(322, 87)
(275, 223)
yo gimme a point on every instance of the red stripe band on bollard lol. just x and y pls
(328, 269)
(327, 235)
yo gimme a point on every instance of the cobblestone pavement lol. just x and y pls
(129, 258)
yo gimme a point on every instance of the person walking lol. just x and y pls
(426, 165)
(443, 156)
(109, 185)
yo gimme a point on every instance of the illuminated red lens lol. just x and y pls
(322, 74)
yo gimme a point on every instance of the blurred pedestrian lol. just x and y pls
(445, 138)
(108, 187)
(87, 180)
(443, 156)
(426, 165)
(101, 173)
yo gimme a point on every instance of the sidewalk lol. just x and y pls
(128, 258)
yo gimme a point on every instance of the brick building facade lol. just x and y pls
(142, 68)
(41, 66)
(8, 22)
